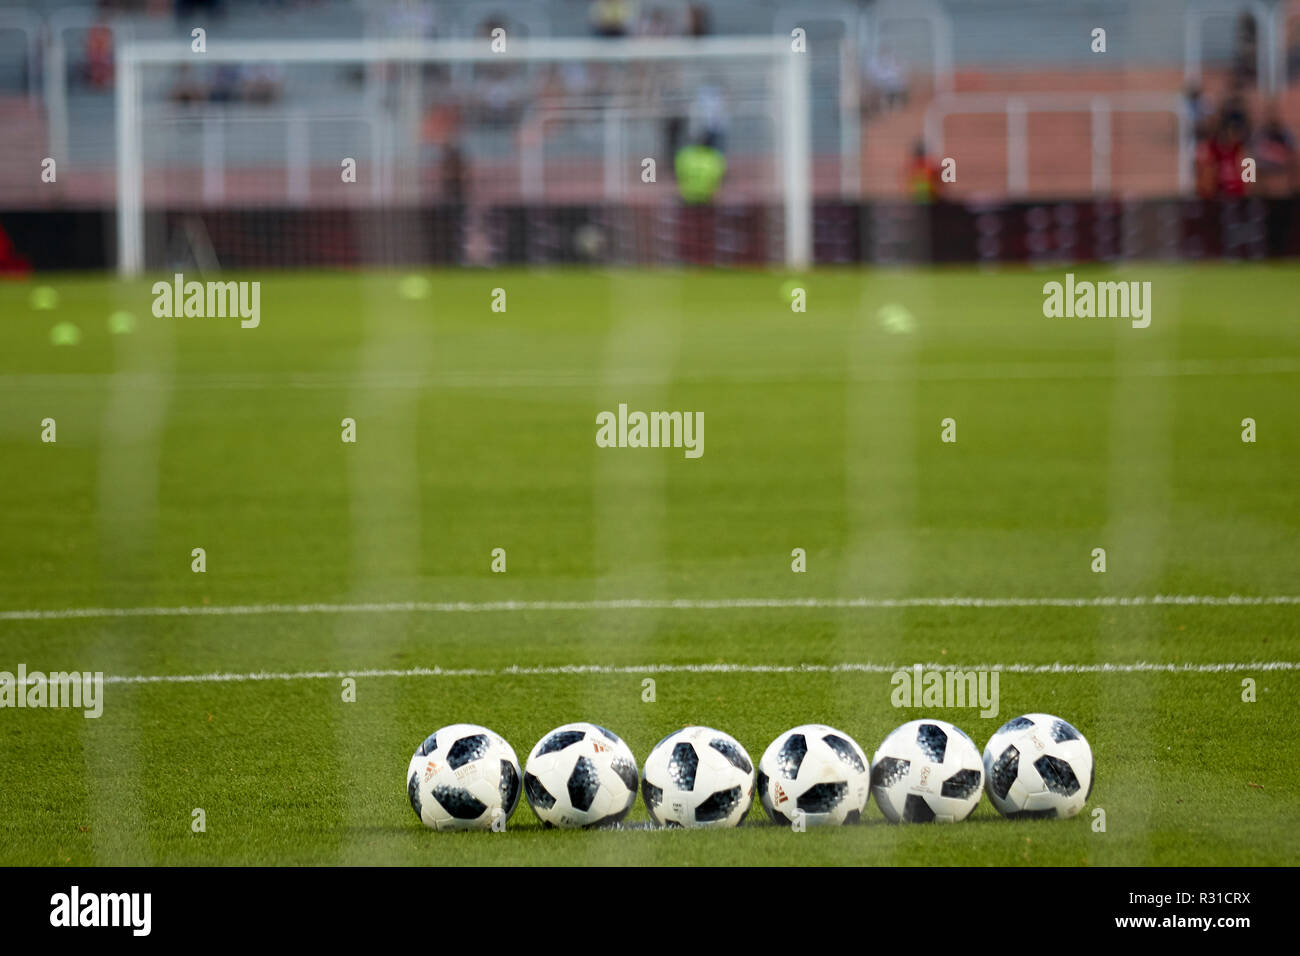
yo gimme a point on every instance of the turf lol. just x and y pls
(475, 431)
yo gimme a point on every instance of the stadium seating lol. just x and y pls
(1144, 55)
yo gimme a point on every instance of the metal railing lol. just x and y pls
(1017, 106)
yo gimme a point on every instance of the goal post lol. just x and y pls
(176, 150)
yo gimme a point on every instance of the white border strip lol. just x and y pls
(587, 378)
(650, 604)
(1139, 667)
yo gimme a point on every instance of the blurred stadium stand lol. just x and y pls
(1147, 52)
(1056, 120)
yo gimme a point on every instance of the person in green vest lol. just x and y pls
(699, 167)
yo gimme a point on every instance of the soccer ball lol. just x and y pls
(927, 771)
(1038, 766)
(817, 771)
(580, 775)
(463, 777)
(698, 777)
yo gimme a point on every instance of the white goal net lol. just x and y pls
(473, 152)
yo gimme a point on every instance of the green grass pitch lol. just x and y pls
(476, 430)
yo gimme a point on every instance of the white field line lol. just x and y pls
(1138, 667)
(634, 604)
(594, 377)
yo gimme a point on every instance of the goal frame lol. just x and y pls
(793, 106)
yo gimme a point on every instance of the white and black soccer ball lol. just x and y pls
(927, 771)
(816, 771)
(463, 777)
(1038, 766)
(698, 777)
(580, 775)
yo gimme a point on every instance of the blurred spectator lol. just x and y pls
(454, 175)
(186, 9)
(922, 181)
(12, 263)
(707, 119)
(699, 22)
(1235, 108)
(1274, 150)
(262, 83)
(226, 84)
(231, 83)
(1278, 179)
(187, 88)
(699, 167)
(655, 23)
(99, 56)
(1218, 158)
(1198, 111)
(886, 84)
(500, 89)
(611, 18)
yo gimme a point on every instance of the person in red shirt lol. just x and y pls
(12, 263)
(1219, 156)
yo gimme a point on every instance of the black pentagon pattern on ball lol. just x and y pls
(509, 787)
(429, 746)
(1092, 775)
(962, 784)
(467, 749)
(608, 733)
(888, 771)
(1057, 774)
(735, 756)
(626, 771)
(653, 797)
(682, 766)
(853, 816)
(461, 804)
(718, 806)
(823, 797)
(1004, 771)
(1016, 723)
(916, 810)
(932, 741)
(583, 784)
(844, 750)
(1063, 731)
(559, 740)
(538, 795)
(413, 792)
(791, 756)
